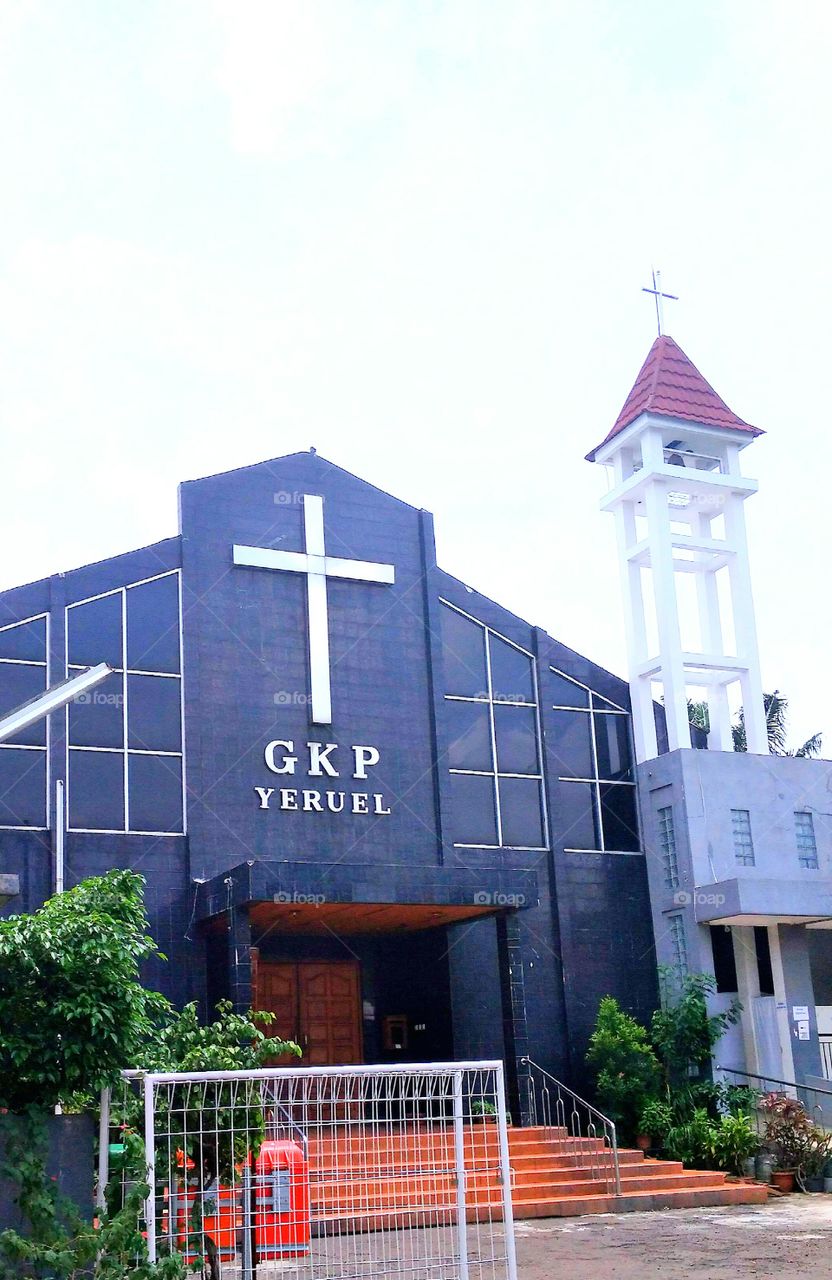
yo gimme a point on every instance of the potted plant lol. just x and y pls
(654, 1124)
(734, 1144)
(799, 1146)
(827, 1177)
(483, 1111)
(817, 1149)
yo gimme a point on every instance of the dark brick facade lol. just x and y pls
(515, 982)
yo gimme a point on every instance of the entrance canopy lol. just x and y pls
(307, 897)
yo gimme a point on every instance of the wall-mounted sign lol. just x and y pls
(800, 1012)
(322, 760)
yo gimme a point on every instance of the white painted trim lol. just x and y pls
(486, 626)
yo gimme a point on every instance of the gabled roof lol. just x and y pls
(670, 385)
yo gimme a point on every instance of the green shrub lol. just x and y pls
(683, 1034)
(656, 1119)
(692, 1141)
(734, 1139)
(73, 1012)
(627, 1070)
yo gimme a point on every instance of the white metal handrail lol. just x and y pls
(555, 1106)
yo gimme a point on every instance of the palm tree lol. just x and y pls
(777, 713)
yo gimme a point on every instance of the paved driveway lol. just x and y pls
(786, 1239)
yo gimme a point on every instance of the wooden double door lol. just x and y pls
(316, 1003)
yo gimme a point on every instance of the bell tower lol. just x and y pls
(677, 494)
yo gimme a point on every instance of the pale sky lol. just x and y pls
(413, 233)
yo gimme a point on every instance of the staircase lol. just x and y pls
(551, 1179)
(362, 1179)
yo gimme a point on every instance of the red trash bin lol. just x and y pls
(281, 1201)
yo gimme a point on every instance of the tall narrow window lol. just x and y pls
(125, 742)
(743, 844)
(23, 757)
(807, 849)
(494, 756)
(678, 945)
(667, 841)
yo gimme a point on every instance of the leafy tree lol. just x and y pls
(682, 1031)
(777, 714)
(72, 1009)
(230, 1042)
(627, 1070)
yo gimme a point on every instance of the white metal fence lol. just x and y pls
(320, 1173)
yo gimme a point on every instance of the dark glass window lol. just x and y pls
(94, 632)
(569, 744)
(725, 964)
(565, 693)
(19, 683)
(153, 625)
(96, 790)
(618, 816)
(24, 640)
(520, 812)
(765, 973)
(463, 650)
(612, 740)
(155, 793)
(578, 813)
(22, 788)
(469, 745)
(96, 718)
(511, 672)
(153, 713)
(473, 810)
(515, 728)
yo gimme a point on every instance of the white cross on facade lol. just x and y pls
(317, 566)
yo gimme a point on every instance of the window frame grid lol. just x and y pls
(807, 857)
(124, 671)
(667, 844)
(496, 774)
(744, 854)
(12, 746)
(609, 709)
(679, 944)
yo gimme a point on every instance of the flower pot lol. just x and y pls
(763, 1165)
(827, 1185)
(783, 1179)
(749, 1167)
(644, 1142)
(815, 1183)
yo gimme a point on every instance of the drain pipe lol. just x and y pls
(60, 830)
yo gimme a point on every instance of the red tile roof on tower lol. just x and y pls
(669, 384)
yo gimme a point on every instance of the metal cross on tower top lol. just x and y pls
(656, 291)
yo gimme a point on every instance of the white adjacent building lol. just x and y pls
(738, 843)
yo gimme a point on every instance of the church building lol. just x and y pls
(369, 798)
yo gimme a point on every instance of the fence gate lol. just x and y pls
(319, 1173)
